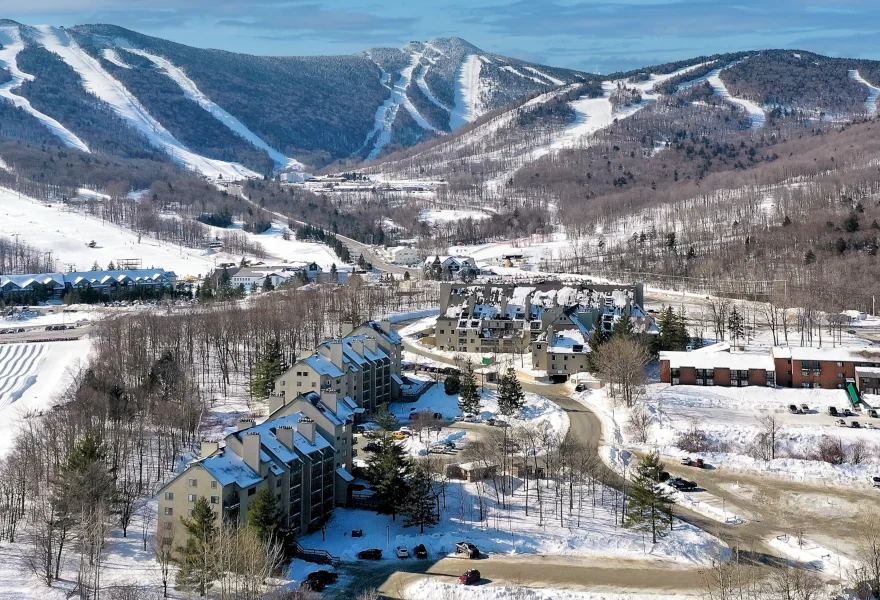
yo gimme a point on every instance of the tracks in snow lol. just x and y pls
(19, 365)
(10, 39)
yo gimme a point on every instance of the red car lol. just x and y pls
(469, 577)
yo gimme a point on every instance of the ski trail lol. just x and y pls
(99, 82)
(10, 39)
(387, 111)
(756, 113)
(192, 91)
(552, 80)
(423, 85)
(467, 93)
(112, 56)
(873, 92)
(523, 75)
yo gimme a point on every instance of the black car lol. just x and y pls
(327, 577)
(832, 411)
(872, 412)
(468, 549)
(681, 484)
(469, 577)
(371, 447)
(420, 551)
(371, 554)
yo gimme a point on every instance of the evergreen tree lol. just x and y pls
(650, 505)
(269, 367)
(452, 385)
(406, 274)
(420, 504)
(96, 266)
(111, 266)
(510, 394)
(195, 558)
(334, 273)
(264, 517)
(673, 332)
(809, 257)
(597, 338)
(388, 471)
(268, 286)
(735, 325)
(624, 327)
(469, 397)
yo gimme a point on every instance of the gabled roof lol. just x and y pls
(228, 467)
(323, 365)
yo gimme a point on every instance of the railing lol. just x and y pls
(315, 555)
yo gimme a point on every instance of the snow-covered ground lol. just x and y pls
(58, 316)
(468, 93)
(290, 250)
(100, 83)
(192, 91)
(552, 80)
(830, 562)
(68, 234)
(432, 216)
(873, 92)
(435, 589)
(32, 376)
(10, 45)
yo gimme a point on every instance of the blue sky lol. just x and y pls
(590, 35)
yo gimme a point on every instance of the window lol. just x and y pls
(701, 381)
(675, 381)
(252, 491)
(300, 383)
(278, 483)
(191, 497)
(313, 384)
(839, 364)
(442, 331)
(189, 513)
(345, 452)
(169, 495)
(807, 385)
(168, 524)
(215, 499)
(710, 381)
(193, 482)
(840, 375)
(213, 485)
(283, 382)
(169, 511)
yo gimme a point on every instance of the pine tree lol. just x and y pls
(809, 257)
(95, 266)
(268, 286)
(735, 325)
(469, 397)
(597, 338)
(406, 275)
(197, 569)
(264, 517)
(269, 367)
(388, 471)
(624, 327)
(334, 273)
(650, 505)
(510, 394)
(420, 505)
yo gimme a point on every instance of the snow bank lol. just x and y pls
(10, 45)
(435, 589)
(100, 83)
(191, 91)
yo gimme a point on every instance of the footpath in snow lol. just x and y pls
(10, 45)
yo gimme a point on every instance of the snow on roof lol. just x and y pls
(869, 371)
(565, 341)
(229, 468)
(397, 379)
(323, 365)
(741, 361)
(859, 355)
(711, 348)
(392, 336)
(345, 475)
(269, 440)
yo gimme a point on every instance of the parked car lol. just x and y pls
(399, 435)
(490, 421)
(371, 447)
(406, 430)
(876, 481)
(686, 461)
(326, 577)
(847, 412)
(458, 418)
(580, 387)
(682, 484)
(805, 409)
(832, 411)
(467, 549)
(437, 449)
(420, 551)
(469, 418)
(793, 409)
(872, 412)
(840, 423)
(699, 463)
(870, 426)
(438, 416)
(371, 554)
(855, 424)
(469, 577)
(365, 427)
(402, 552)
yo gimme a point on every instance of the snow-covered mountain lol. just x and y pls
(102, 88)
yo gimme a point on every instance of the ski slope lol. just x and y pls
(552, 80)
(756, 113)
(112, 56)
(423, 85)
(387, 111)
(12, 44)
(873, 92)
(19, 364)
(510, 69)
(192, 91)
(467, 93)
(99, 82)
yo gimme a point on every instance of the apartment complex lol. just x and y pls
(363, 366)
(112, 281)
(302, 452)
(550, 319)
(799, 367)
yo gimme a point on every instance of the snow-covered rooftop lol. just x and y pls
(228, 468)
(741, 361)
(863, 355)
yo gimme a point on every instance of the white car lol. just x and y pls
(840, 423)
(406, 430)
(401, 552)
(469, 418)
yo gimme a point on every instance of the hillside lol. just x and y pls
(102, 88)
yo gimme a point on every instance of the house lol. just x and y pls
(718, 368)
(363, 366)
(450, 267)
(471, 471)
(255, 276)
(404, 255)
(827, 368)
(560, 354)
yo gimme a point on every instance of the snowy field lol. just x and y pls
(729, 417)
(32, 376)
(290, 250)
(59, 316)
(433, 217)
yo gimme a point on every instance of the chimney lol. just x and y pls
(284, 433)
(371, 343)
(550, 336)
(243, 424)
(385, 324)
(503, 307)
(357, 346)
(208, 448)
(336, 353)
(250, 452)
(346, 329)
(276, 401)
(330, 400)
(306, 428)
